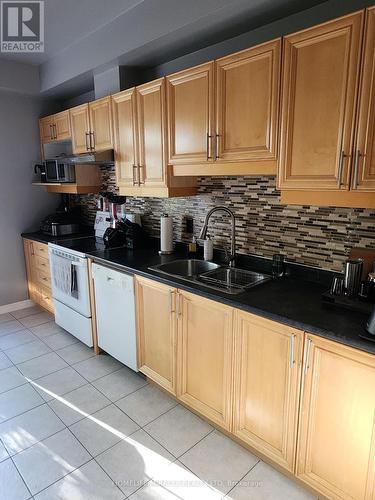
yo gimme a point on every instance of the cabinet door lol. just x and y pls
(156, 332)
(45, 129)
(32, 285)
(152, 133)
(320, 79)
(336, 449)
(61, 123)
(247, 90)
(101, 124)
(364, 159)
(190, 99)
(267, 382)
(80, 123)
(205, 352)
(125, 140)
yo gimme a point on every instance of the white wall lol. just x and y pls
(22, 206)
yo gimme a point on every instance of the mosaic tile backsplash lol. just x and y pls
(315, 236)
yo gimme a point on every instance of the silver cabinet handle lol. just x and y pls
(51, 131)
(358, 156)
(341, 168)
(292, 347)
(87, 140)
(92, 143)
(135, 182)
(141, 168)
(55, 130)
(307, 355)
(209, 146)
(179, 309)
(32, 248)
(171, 301)
(217, 144)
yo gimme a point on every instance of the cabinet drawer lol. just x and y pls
(42, 263)
(45, 299)
(40, 249)
(43, 277)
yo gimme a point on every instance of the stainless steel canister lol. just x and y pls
(352, 276)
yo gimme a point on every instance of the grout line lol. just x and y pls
(27, 315)
(27, 360)
(248, 472)
(21, 476)
(29, 409)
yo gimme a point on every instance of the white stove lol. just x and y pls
(70, 291)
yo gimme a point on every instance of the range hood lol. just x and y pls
(93, 157)
(63, 151)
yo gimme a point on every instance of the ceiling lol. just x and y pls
(83, 35)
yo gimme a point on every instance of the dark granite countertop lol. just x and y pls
(294, 300)
(45, 238)
(290, 300)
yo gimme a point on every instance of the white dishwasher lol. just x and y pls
(115, 314)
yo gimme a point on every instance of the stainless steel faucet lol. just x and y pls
(203, 232)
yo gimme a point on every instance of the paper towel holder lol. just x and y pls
(166, 251)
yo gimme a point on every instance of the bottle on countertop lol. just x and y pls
(193, 248)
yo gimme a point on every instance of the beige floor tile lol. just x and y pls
(265, 483)
(23, 431)
(109, 426)
(89, 482)
(219, 461)
(120, 383)
(11, 485)
(77, 404)
(50, 460)
(146, 404)
(134, 461)
(178, 430)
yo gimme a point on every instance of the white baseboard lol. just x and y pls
(16, 306)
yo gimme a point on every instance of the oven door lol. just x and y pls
(69, 277)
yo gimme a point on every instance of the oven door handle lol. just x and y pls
(78, 264)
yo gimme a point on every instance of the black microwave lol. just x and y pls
(56, 171)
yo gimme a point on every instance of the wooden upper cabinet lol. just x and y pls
(190, 100)
(205, 353)
(55, 127)
(101, 124)
(152, 138)
(247, 104)
(62, 126)
(156, 332)
(80, 124)
(336, 454)
(364, 150)
(125, 137)
(320, 78)
(45, 129)
(267, 376)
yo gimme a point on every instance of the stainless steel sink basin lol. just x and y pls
(225, 279)
(233, 280)
(186, 268)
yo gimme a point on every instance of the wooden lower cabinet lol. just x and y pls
(304, 402)
(38, 273)
(156, 332)
(336, 450)
(267, 375)
(205, 348)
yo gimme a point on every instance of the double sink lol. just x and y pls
(229, 280)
